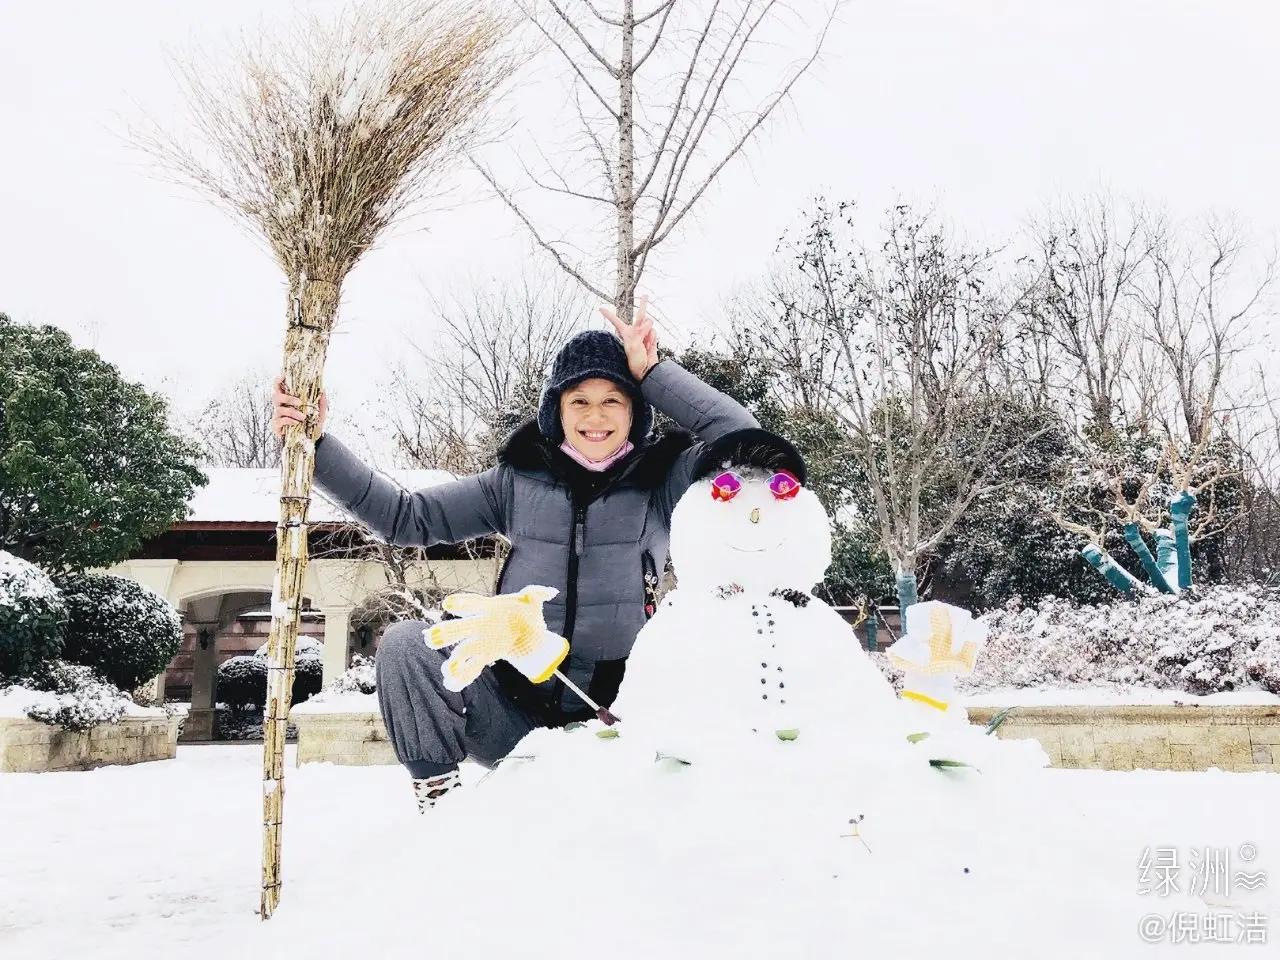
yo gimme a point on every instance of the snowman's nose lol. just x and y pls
(755, 515)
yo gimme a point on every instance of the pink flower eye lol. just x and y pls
(784, 485)
(726, 486)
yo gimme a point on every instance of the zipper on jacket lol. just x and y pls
(576, 544)
(577, 541)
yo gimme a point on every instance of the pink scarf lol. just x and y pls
(597, 465)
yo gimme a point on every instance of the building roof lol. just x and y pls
(239, 495)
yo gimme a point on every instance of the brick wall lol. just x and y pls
(240, 638)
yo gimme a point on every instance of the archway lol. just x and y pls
(217, 625)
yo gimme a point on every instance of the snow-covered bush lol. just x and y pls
(242, 681)
(32, 617)
(1205, 640)
(71, 696)
(1264, 664)
(303, 646)
(122, 629)
(308, 677)
(360, 677)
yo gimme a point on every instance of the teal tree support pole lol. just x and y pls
(1116, 575)
(1134, 537)
(871, 630)
(1180, 507)
(1167, 556)
(906, 595)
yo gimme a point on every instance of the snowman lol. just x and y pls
(741, 657)
(764, 786)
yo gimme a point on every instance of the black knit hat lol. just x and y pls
(751, 447)
(592, 353)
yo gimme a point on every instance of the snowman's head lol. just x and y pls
(748, 519)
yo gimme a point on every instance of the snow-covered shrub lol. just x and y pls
(122, 629)
(302, 646)
(242, 682)
(1205, 640)
(32, 617)
(73, 697)
(1264, 664)
(360, 677)
(308, 676)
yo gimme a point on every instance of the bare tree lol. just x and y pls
(411, 587)
(235, 426)
(1093, 256)
(467, 386)
(1198, 321)
(318, 143)
(652, 94)
(803, 351)
(918, 322)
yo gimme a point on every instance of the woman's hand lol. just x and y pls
(287, 410)
(639, 339)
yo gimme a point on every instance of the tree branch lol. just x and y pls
(655, 237)
(515, 208)
(600, 57)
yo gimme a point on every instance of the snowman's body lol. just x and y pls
(741, 657)
(740, 652)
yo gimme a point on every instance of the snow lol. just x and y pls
(695, 830)
(366, 81)
(302, 647)
(337, 703)
(20, 580)
(1006, 697)
(241, 495)
(1206, 640)
(107, 866)
(16, 701)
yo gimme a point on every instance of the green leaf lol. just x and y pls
(917, 737)
(574, 725)
(90, 467)
(607, 734)
(660, 756)
(998, 719)
(950, 764)
(787, 734)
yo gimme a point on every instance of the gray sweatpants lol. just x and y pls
(433, 729)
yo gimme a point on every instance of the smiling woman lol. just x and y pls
(596, 417)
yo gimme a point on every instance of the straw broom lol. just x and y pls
(318, 144)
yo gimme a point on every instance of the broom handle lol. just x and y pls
(607, 718)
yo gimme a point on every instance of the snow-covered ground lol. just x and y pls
(163, 858)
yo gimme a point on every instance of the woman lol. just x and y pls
(584, 498)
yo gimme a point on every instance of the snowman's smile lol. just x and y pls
(764, 549)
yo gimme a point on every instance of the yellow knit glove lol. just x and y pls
(508, 627)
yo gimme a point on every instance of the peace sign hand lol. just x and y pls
(506, 627)
(639, 338)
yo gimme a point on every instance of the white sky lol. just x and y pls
(987, 108)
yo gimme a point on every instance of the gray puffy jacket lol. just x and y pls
(599, 538)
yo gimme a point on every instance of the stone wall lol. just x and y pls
(1234, 737)
(347, 739)
(27, 746)
(1238, 738)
